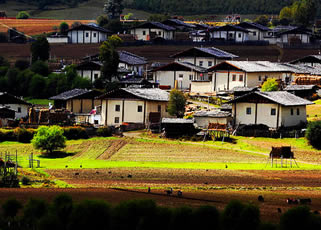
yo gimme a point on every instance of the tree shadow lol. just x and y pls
(56, 154)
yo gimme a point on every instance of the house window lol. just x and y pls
(159, 33)
(298, 111)
(201, 63)
(248, 110)
(116, 120)
(144, 32)
(87, 34)
(240, 35)
(191, 77)
(95, 76)
(254, 33)
(241, 78)
(140, 109)
(260, 78)
(117, 108)
(273, 112)
(291, 112)
(230, 35)
(159, 108)
(210, 63)
(96, 122)
(19, 110)
(94, 35)
(233, 77)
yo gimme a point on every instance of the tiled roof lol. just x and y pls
(6, 98)
(179, 22)
(177, 121)
(213, 113)
(229, 28)
(253, 25)
(70, 94)
(280, 97)
(130, 58)
(151, 94)
(91, 26)
(184, 64)
(299, 87)
(156, 25)
(212, 51)
(255, 66)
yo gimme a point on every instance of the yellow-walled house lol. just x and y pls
(133, 105)
(274, 109)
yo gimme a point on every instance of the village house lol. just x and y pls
(179, 74)
(129, 64)
(58, 38)
(82, 103)
(216, 116)
(6, 114)
(304, 91)
(311, 60)
(151, 30)
(179, 24)
(230, 74)
(289, 35)
(256, 32)
(133, 106)
(18, 105)
(229, 33)
(203, 57)
(274, 109)
(90, 33)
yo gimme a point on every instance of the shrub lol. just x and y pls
(22, 64)
(23, 15)
(24, 135)
(49, 139)
(63, 28)
(40, 67)
(11, 207)
(104, 131)
(7, 135)
(25, 180)
(313, 134)
(74, 133)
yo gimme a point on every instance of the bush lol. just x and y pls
(23, 15)
(25, 180)
(11, 207)
(49, 139)
(74, 133)
(7, 135)
(104, 131)
(24, 135)
(40, 67)
(63, 28)
(313, 134)
(22, 64)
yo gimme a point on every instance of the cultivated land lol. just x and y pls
(116, 169)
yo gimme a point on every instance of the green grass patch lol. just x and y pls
(44, 102)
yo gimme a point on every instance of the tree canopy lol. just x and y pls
(40, 49)
(113, 8)
(270, 85)
(176, 104)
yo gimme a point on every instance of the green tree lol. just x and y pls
(23, 15)
(37, 86)
(262, 19)
(110, 59)
(49, 139)
(114, 25)
(102, 20)
(313, 134)
(158, 18)
(115, 41)
(63, 28)
(113, 8)
(176, 104)
(11, 207)
(34, 210)
(40, 67)
(270, 85)
(286, 12)
(40, 49)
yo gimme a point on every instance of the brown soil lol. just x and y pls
(113, 148)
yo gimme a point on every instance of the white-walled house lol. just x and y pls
(152, 30)
(90, 70)
(17, 104)
(204, 57)
(132, 62)
(56, 38)
(90, 33)
(216, 116)
(133, 105)
(275, 109)
(229, 33)
(256, 32)
(182, 72)
(288, 35)
(310, 60)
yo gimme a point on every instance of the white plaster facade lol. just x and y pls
(237, 36)
(87, 36)
(147, 34)
(62, 40)
(205, 62)
(91, 75)
(201, 87)
(202, 122)
(21, 110)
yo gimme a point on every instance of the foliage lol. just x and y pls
(21, 64)
(63, 28)
(49, 139)
(11, 207)
(104, 131)
(110, 59)
(23, 15)
(158, 17)
(24, 135)
(113, 8)
(313, 134)
(115, 40)
(40, 67)
(176, 104)
(262, 19)
(270, 85)
(40, 49)
(102, 20)
(74, 133)
(115, 26)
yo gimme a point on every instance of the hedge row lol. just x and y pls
(24, 135)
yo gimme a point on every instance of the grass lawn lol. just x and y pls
(44, 102)
(314, 111)
(246, 154)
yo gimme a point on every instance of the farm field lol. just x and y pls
(35, 26)
(314, 111)
(116, 169)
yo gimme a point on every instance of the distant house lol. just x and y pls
(203, 118)
(81, 102)
(5, 115)
(133, 105)
(288, 34)
(16, 104)
(204, 57)
(179, 24)
(180, 73)
(90, 33)
(129, 63)
(151, 30)
(274, 109)
(256, 32)
(311, 60)
(304, 91)
(57, 38)
(229, 33)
